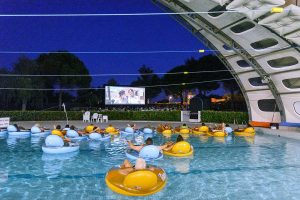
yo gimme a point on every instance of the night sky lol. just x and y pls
(125, 33)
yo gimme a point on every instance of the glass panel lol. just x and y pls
(243, 63)
(263, 44)
(292, 83)
(283, 62)
(297, 107)
(227, 48)
(256, 81)
(268, 105)
(218, 9)
(242, 27)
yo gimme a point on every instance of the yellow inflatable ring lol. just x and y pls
(237, 133)
(89, 128)
(180, 149)
(168, 131)
(57, 132)
(247, 132)
(111, 130)
(201, 130)
(218, 134)
(184, 131)
(137, 183)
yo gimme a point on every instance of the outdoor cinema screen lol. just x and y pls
(124, 95)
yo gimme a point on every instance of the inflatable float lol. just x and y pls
(182, 130)
(36, 131)
(137, 183)
(13, 131)
(22, 133)
(128, 131)
(217, 134)
(3, 132)
(60, 150)
(89, 128)
(98, 137)
(247, 132)
(201, 130)
(180, 149)
(168, 131)
(149, 152)
(74, 136)
(55, 145)
(111, 130)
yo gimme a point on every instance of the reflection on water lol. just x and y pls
(95, 145)
(11, 142)
(54, 163)
(182, 165)
(3, 176)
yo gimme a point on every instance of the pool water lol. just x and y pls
(266, 167)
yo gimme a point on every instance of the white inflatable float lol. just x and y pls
(74, 136)
(13, 132)
(3, 132)
(148, 153)
(36, 131)
(98, 137)
(55, 145)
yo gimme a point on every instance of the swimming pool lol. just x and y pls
(266, 167)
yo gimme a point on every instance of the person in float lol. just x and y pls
(171, 144)
(127, 166)
(148, 141)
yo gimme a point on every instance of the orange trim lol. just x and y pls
(260, 124)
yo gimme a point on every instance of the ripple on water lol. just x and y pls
(238, 168)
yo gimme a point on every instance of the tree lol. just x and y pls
(204, 64)
(7, 96)
(148, 78)
(25, 66)
(112, 82)
(64, 63)
(176, 79)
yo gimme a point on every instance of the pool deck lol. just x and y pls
(293, 133)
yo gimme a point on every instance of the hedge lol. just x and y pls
(77, 115)
(206, 116)
(224, 116)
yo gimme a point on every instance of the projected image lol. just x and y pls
(124, 95)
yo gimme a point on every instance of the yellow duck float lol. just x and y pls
(180, 149)
(247, 132)
(137, 183)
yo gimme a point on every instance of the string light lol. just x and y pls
(95, 88)
(123, 14)
(100, 75)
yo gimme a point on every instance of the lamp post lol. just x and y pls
(170, 98)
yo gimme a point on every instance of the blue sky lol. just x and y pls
(131, 33)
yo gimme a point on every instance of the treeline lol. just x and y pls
(195, 75)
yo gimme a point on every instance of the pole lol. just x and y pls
(64, 106)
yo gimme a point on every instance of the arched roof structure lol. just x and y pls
(260, 48)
